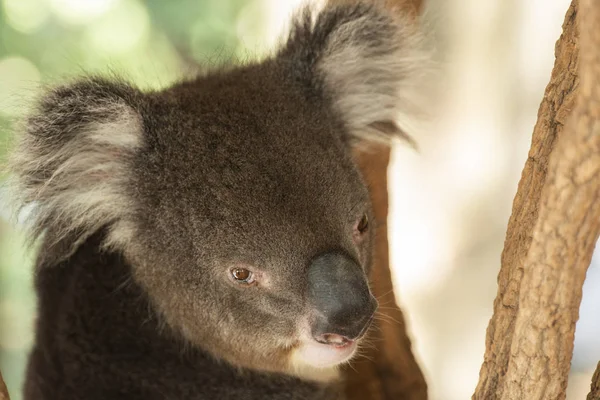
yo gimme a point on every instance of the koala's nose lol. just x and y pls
(338, 291)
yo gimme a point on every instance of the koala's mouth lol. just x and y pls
(324, 355)
(337, 341)
(349, 343)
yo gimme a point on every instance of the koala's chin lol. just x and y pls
(315, 356)
(318, 355)
(318, 361)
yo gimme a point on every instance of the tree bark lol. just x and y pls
(388, 370)
(553, 229)
(595, 388)
(556, 105)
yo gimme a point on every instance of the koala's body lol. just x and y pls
(212, 240)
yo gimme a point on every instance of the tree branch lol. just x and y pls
(547, 253)
(556, 105)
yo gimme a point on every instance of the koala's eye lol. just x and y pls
(242, 275)
(363, 224)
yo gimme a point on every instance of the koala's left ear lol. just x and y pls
(367, 62)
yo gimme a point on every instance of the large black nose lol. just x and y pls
(339, 293)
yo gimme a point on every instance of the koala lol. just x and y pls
(213, 240)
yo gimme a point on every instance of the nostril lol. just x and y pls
(333, 339)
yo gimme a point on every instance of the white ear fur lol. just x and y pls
(375, 66)
(72, 165)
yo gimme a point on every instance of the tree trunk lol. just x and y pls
(553, 228)
(387, 371)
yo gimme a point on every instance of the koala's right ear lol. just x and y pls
(367, 62)
(72, 161)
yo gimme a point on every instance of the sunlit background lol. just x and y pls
(450, 202)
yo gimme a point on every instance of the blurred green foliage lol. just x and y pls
(150, 43)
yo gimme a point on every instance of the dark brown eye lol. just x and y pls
(242, 275)
(363, 224)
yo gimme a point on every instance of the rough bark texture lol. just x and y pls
(553, 229)
(388, 370)
(595, 389)
(555, 108)
(3, 389)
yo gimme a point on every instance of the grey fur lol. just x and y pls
(72, 161)
(146, 200)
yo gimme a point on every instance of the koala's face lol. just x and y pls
(234, 196)
(253, 224)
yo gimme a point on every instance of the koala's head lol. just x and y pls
(234, 196)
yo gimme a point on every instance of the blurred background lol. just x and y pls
(450, 202)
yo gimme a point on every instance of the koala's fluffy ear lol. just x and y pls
(72, 160)
(366, 61)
